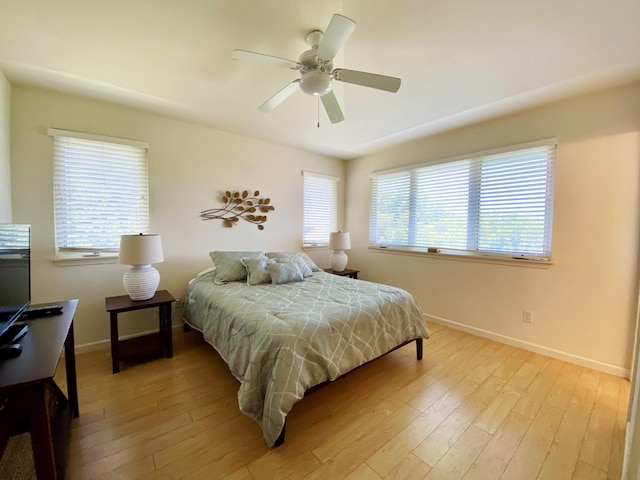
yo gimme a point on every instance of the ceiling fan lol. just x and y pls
(316, 69)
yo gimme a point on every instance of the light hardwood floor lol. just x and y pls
(471, 409)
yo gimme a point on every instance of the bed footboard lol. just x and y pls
(419, 345)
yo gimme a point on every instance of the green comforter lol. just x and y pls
(280, 340)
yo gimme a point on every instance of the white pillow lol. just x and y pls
(203, 272)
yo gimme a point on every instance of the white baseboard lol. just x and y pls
(532, 347)
(106, 344)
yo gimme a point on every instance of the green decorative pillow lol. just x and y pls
(288, 256)
(229, 267)
(284, 273)
(257, 270)
(304, 268)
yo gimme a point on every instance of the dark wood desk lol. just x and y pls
(29, 378)
(143, 345)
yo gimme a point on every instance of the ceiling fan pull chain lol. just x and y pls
(318, 112)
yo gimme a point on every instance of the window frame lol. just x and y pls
(74, 255)
(472, 200)
(319, 178)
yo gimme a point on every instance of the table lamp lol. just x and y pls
(140, 251)
(339, 242)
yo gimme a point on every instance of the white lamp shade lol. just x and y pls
(140, 249)
(339, 241)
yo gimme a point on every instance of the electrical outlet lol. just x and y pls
(527, 316)
(178, 303)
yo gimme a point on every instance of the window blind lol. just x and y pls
(497, 203)
(14, 238)
(100, 192)
(320, 210)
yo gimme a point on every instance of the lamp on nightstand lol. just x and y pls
(339, 242)
(140, 251)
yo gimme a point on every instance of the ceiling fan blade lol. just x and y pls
(268, 59)
(371, 80)
(280, 97)
(332, 107)
(338, 32)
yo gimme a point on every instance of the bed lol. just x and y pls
(280, 338)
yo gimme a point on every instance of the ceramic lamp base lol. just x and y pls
(141, 282)
(339, 260)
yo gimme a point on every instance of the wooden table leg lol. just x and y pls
(165, 328)
(40, 428)
(115, 355)
(70, 364)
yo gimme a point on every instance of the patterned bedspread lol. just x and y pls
(280, 340)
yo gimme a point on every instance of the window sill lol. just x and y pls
(75, 260)
(315, 247)
(465, 257)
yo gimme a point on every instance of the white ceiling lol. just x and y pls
(460, 61)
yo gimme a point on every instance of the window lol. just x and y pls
(320, 209)
(14, 238)
(100, 191)
(496, 203)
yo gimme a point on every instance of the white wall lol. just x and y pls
(189, 166)
(584, 304)
(5, 151)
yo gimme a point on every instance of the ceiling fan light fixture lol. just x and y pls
(315, 83)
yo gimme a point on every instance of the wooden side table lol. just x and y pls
(144, 345)
(347, 272)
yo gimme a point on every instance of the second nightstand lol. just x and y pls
(347, 272)
(146, 344)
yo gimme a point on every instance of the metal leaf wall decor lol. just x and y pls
(241, 205)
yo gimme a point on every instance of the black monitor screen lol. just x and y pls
(15, 272)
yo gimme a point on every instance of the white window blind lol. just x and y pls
(320, 210)
(14, 238)
(100, 191)
(496, 203)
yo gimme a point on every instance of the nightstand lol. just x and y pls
(347, 272)
(145, 345)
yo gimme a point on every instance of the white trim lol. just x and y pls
(494, 151)
(532, 347)
(106, 344)
(320, 175)
(465, 256)
(55, 132)
(89, 259)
